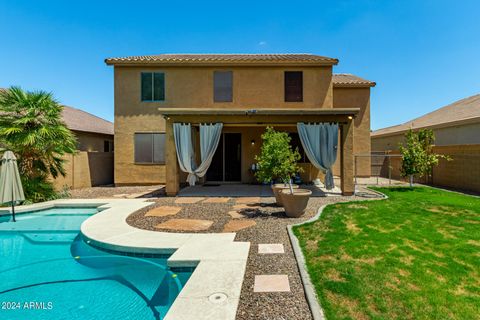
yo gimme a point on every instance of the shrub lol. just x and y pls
(277, 159)
(32, 127)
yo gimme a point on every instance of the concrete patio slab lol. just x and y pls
(270, 248)
(185, 224)
(163, 211)
(271, 283)
(187, 200)
(217, 200)
(236, 225)
(121, 195)
(227, 190)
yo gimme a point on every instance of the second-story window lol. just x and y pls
(293, 86)
(153, 86)
(222, 86)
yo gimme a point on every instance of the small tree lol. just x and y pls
(418, 157)
(31, 126)
(277, 159)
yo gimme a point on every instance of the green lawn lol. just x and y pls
(415, 255)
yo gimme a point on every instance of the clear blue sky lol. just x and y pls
(422, 54)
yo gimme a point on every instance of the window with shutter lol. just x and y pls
(293, 86)
(153, 86)
(222, 86)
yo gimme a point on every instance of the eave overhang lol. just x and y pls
(259, 112)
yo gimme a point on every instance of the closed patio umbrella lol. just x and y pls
(11, 190)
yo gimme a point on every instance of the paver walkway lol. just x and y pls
(185, 224)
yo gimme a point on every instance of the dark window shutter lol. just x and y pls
(143, 148)
(293, 86)
(159, 148)
(159, 86)
(147, 86)
(222, 86)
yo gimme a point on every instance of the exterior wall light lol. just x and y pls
(252, 142)
(350, 117)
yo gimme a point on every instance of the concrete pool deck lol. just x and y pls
(213, 290)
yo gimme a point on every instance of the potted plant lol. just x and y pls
(278, 161)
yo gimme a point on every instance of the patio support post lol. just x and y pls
(347, 158)
(172, 175)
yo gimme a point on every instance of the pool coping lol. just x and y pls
(219, 261)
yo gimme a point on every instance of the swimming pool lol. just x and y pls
(47, 271)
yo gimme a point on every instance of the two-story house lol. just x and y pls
(245, 93)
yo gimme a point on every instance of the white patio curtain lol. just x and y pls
(209, 138)
(320, 142)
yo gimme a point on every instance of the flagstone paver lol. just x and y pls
(244, 206)
(235, 214)
(163, 211)
(186, 200)
(247, 200)
(185, 224)
(271, 283)
(268, 248)
(217, 200)
(237, 224)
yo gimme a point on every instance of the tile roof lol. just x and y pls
(461, 111)
(79, 120)
(350, 80)
(218, 59)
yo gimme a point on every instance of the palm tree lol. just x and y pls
(31, 126)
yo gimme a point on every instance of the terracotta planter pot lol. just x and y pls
(296, 203)
(277, 187)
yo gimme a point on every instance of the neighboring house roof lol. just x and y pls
(460, 112)
(79, 120)
(224, 59)
(350, 80)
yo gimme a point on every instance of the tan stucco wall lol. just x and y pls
(357, 98)
(456, 135)
(126, 171)
(462, 134)
(192, 87)
(91, 142)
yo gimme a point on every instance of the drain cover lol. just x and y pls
(217, 297)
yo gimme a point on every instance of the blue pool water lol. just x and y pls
(47, 271)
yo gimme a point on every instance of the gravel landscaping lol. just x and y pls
(270, 227)
(118, 192)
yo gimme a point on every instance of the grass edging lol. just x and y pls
(309, 289)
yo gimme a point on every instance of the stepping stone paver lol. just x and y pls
(185, 224)
(247, 200)
(271, 283)
(245, 206)
(267, 248)
(237, 224)
(216, 200)
(235, 215)
(163, 211)
(188, 199)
